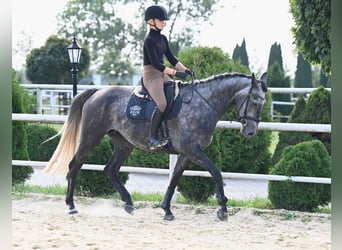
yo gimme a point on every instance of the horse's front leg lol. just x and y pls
(181, 164)
(201, 159)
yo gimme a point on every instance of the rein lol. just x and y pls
(198, 93)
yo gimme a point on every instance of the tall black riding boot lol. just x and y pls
(153, 141)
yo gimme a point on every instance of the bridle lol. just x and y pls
(244, 119)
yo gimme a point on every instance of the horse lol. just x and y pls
(96, 112)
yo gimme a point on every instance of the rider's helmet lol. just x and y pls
(156, 12)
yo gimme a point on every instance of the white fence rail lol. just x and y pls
(323, 128)
(274, 126)
(225, 175)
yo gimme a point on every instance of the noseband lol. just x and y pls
(244, 119)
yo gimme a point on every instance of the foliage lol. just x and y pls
(292, 138)
(112, 38)
(318, 111)
(312, 31)
(303, 74)
(318, 108)
(240, 54)
(50, 63)
(275, 56)
(95, 183)
(277, 78)
(19, 137)
(324, 80)
(304, 159)
(40, 150)
(141, 158)
(206, 61)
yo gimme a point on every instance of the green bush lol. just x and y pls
(316, 111)
(36, 135)
(292, 138)
(304, 159)
(19, 137)
(141, 158)
(95, 183)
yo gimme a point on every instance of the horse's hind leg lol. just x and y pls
(75, 165)
(181, 164)
(122, 150)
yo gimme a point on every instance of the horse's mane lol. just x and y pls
(215, 77)
(223, 76)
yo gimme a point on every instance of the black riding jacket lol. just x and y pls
(155, 47)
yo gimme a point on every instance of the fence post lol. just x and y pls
(39, 101)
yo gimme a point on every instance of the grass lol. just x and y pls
(23, 190)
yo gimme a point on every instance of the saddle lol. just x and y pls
(141, 105)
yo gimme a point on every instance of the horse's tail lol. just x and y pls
(68, 144)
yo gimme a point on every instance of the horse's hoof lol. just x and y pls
(223, 216)
(129, 209)
(73, 211)
(169, 217)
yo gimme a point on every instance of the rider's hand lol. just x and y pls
(180, 74)
(190, 72)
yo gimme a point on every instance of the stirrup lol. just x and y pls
(154, 144)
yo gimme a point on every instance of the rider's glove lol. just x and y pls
(190, 72)
(181, 74)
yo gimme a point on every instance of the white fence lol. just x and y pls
(323, 128)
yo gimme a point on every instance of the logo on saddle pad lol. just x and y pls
(135, 110)
(141, 106)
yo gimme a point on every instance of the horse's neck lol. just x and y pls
(220, 93)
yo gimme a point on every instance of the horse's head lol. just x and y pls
(250, 102)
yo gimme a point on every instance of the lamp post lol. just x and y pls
(74, 51)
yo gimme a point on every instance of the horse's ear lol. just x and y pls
(264, 78)
(254, 81)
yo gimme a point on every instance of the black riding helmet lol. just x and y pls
(156, 12)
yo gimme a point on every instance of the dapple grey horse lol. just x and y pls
(97, 112)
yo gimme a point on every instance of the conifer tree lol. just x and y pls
(19, 136)
(277, 78)
(240, 54)
(324, 80)
(303, 74)
(275, 56)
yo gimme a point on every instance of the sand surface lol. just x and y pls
(42, 222)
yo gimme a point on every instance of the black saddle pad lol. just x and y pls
(140, 105)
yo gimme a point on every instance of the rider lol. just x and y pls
(155, 72)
